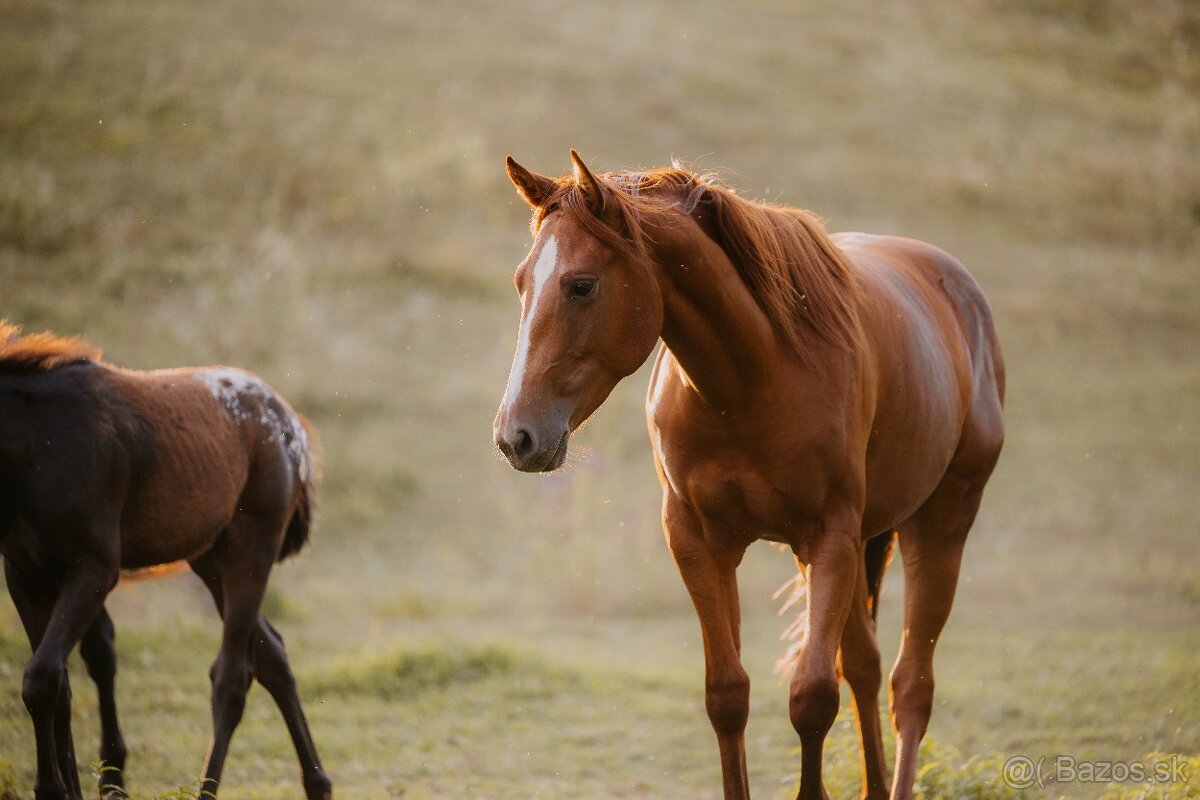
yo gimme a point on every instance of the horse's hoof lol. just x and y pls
(318, 788)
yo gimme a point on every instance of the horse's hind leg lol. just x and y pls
(100, 656)
(858, 662)
(931, 544)
(235, 571)
(272, 671)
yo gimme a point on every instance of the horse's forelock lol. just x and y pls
(627, 196)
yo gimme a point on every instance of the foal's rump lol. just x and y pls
(222, 442)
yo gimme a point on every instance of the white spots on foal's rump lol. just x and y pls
(247, 397)
(542, 270)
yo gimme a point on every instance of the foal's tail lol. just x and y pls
(305, 514)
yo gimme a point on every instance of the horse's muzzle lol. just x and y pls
(530, 450)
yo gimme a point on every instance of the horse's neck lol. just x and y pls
(712, 324)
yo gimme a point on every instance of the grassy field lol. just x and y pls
(315, 191)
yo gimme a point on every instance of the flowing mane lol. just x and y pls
(38, 352)
(796, 273)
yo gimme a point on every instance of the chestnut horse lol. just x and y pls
(104, 469)
(827, 393)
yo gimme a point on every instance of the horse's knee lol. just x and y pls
(271, 667)
(42, 686)
(230, 682)
(911, 694)
(727, 701)
(276, 677)
(99, 657)
(813, 705)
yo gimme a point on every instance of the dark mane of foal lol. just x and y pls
(39, 352)
(787, 260)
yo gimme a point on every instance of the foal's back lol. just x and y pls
(169, 456)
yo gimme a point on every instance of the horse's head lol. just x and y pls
(591, 311)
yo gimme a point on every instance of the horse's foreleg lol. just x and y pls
(100, 657)
(834, 559)
(710, 577)
(67, 765)
(54, 628)
(931, 544)
(272, 671)
(858, 661)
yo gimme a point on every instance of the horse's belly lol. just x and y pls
(148, 542)
(902, 474)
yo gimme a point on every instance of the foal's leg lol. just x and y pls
(241, 560)
(272, 671)
(53, 631)
(835, 560)
(858, 662)
(931, 544)
(34, 594)
(100, 656)
(710, 576)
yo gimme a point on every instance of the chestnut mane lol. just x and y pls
(39, 352)
(795, 272)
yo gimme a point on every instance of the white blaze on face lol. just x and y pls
(542, 270)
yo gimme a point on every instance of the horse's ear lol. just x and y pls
(593, 193)
(536, 189)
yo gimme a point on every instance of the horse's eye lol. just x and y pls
(582, 287)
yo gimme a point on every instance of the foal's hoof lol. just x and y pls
(318, 788)
(112, 790)
(112, 784)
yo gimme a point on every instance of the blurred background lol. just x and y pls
(315, 191)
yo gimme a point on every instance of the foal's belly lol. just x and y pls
(149, 540)
(180, 508)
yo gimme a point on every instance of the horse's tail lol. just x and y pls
(877, 557)
(305, 513)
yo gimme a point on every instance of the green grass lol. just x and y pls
(315, 191)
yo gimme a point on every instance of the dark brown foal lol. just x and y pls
(104, 469)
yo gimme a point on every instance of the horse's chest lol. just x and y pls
(750, 503)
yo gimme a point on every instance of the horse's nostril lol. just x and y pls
(504, 446)
(522, 443)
